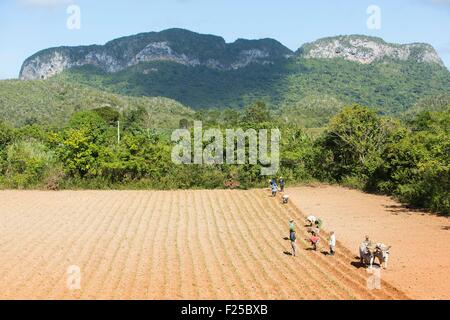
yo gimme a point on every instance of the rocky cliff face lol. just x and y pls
(175, 45)
(193, 49)
(363, 49)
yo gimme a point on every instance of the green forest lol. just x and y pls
(358, 148)
(391, 87)
(52, 102)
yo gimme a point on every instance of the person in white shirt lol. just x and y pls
(312, 220)
(332, 243)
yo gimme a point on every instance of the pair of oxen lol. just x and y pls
(368, 253)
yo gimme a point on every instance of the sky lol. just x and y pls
(27, 26)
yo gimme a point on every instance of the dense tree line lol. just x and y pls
(358, 148)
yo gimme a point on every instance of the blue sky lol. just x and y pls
(27, 26)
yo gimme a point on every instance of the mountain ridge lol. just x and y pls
(176, 45)
(194, 49)
(367, 49)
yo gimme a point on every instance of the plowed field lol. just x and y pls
(419, 263)
(167, 245)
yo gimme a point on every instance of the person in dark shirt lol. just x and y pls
(274, 190)
(293, 237)
(282, 183)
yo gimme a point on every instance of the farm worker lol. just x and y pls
(314, 241)
(332, 242)
(281, 181)
(274, 190)
(293, 237)
(318, 223)
(291, 225)
(315, 227)
(312, 220)
(369, 244)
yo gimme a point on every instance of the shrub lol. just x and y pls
(27, 162)
(6, 135)
(354, 182)
(108, 114)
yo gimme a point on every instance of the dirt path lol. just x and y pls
(419, 262)
(166, 245)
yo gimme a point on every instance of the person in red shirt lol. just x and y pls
(314, 241)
